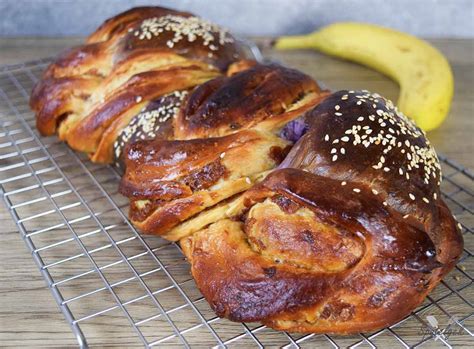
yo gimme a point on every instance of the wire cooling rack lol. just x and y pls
(115, 286)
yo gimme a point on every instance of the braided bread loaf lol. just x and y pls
(301, 209)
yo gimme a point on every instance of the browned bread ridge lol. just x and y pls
(91, 92)
(226, 136)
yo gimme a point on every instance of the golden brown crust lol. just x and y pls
(355, 136)
(349, 235)
(89, 87)
(202, 127)
(120, 24)
(97, 132)
(264, 97)
(215, 47)
(379, 270)
(53, 99)
(171, 181)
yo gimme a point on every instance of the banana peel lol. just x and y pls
(423, 73)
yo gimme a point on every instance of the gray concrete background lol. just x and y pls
(427, 18)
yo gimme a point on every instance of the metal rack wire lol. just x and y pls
(107, 278)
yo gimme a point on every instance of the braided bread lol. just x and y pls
(225, 138)
(304, 210)
(92, 92)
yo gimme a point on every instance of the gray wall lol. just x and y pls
(427, 18)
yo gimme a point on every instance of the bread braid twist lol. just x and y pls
(92, 92)
(348, 235)
(307, 211)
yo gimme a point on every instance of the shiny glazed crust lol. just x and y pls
(334, 241)
(226, 135)
(92, 91)
(171, 181)
(312, 256)
(263, 97)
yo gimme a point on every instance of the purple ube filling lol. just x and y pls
(295, 129)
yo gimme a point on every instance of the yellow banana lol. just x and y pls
(423, 73)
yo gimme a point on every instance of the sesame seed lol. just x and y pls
(145, 124)
(326, 138)
(247, 179)
(337, 114)
(405, 216)
(359, 102)
(343, 183)
(411, 196)
(222, 155)
(357, 190)
(398, 134)
(435, 196)
(334, 158)
(384, 203)
(375, 192)
(184, 28)
(138, 99)
(426, 200)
